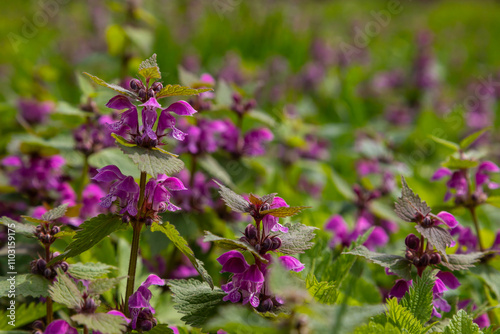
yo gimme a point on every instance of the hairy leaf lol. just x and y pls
(236, 202)
(25, 314)
(212, 167)
(102, 322)
(297, 239)
(232, 244)
(101, 285)
(153, 162)
(24, 229)
(437, 236)
(470, 139)
(171, 232)
(455, 163)
(25, 285)
(462, 261)
(402, 318)
(196, 300)
(284, 211)
(89, 270)
(418, 300)
(64, 291)
(323, 292)
(410, 204)
(177, 90)
(461, 323)
(374, 328)
(91, 232)
(149, 68)
(396, 264)
(114, 87)
(55, 213)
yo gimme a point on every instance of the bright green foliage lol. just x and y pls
(455, 163)
(171, 232)
(149, 68)
(402, 318)
(177, 90)
(89, 270)
(445, 143)
(418, 300)
(26, 313)
(102, 322)
(374, 328)
(461, 323)
(26, 285)
(232, 244)
(323, 292)
(284, 211)
(102, 285)
(114, 87)
(161, 329)
(470, 139)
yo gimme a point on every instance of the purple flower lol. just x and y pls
(198, 196)
(271, 223)
(291, 263)
(157, 194)
(60, 327)
(482, 320)
(203, 137)
(444, 281)
(482, 174)
(35, 112)
(467, 241)
(140, 309)
(123, 188)
(400, 288)
(252, 143)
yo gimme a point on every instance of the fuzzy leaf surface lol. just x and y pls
(102, 322)
(232, 244)
(178, 90)
(26, 285)
(64, 291)
(89, 270)
(236, 202)
(461, 323)
(149, 68)
(418, 300)
(24, 229)
(284, 211)
(55, 213)
(114, 87)
(437, 236)
(297, 239)
(410, 204)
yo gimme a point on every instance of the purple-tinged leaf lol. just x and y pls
(178, 90)
(297, 239)
(462, 261)
(438, 237)
(283, 212)
(409, 205)
(149, 68)
(114, 87)
(236, 202)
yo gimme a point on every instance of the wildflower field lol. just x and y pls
(236, 166)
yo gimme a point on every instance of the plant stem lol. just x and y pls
(83, 177)
(473, 213)
(85, 330)
(48, 303)
(132, 265)
(141, 193)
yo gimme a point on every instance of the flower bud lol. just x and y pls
(266, 244)
(34, 267)
(142, 93)
(427, 222)
(409, 255)
(416, 261)
(237, 98)
(55, 230)
(265, 207)
(412, 242)
(251, 232)
(47, 273)
(64, 266)
(151, 93)
(257, 247)
(135, 84)
(250, 104)
(424, 260)
(126, 219)
(148, 221)
(38, 229)
(41, 264)
(435, 258)
(266, 305)
(157, 86)
(146, 325)
(276, 243)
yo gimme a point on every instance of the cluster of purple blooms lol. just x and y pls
(249, 283)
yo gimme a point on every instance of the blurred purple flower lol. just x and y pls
(35, 112)
(157, 194)
(60, 327)
(201, 138)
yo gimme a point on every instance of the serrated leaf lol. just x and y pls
(232, 244)
(25, 314)
(25, 285)
(89, 270)
(212, 167)
(470, 139)
(24, 229)
(462, 323)
(297, 239)
(149, 68)
(178, 90)
(410, 204)
(101, 285)
(445, 143)
(455, 163)
(402, 318)
(374, 328)
(114, 87)
(161, 329)
(64, 291)
(153, 162)
(323, 292)
(196, 300)
(91, 232)
(236, 202)
(55, 213)
(418, 300)
(397, 264)
(462, 261)
(284, 211)
(171, 232)
(102, 322)
(437, 237)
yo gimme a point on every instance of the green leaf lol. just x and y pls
(114, 87)
(397, 264)
(410, 204)
(101, 285)
(196, 300)
(297, 239)
(149, 68)
(25, 285)
(114, 156)
(64, 291)
(470, 139)
(455, 163)
(161, 329)
(374, 328)
(171, 232)
(232, 244)
(445, 143)
(418, 300)
(284, 211)
(342, 186)
(212, 166)
(262, 117)
(178, 90)
(437, 237)
(461, 323)
(25, 314)
(55, 213)
(91, 232)
(102, 322)
(89, 270)
(236, 202)
(153, 162)
(323, 292)
(122, 140)
(462, 261)
(24, 229)
(493, 200)
(235, 319)
(401, 317)
(37, 147)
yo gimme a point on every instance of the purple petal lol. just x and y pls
(337, 225)
(13, 161)
(448, 279)
(291, 263)
(174, 183)
(118, 313)
(400, 288)
(278, 202)
(377, 238)
(151, 103)
(167, 121)
(448, 218)
(119, 102)
(108, 174)
(253, 274)
(181, 108)
(440, 173)
(488, 166)
(153, 280)
(442, 304)
(60, 327)
(439, 287)
(137, 300)
(233, 261)
(482, 321)
(128, 185)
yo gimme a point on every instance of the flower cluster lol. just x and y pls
(140, 309)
